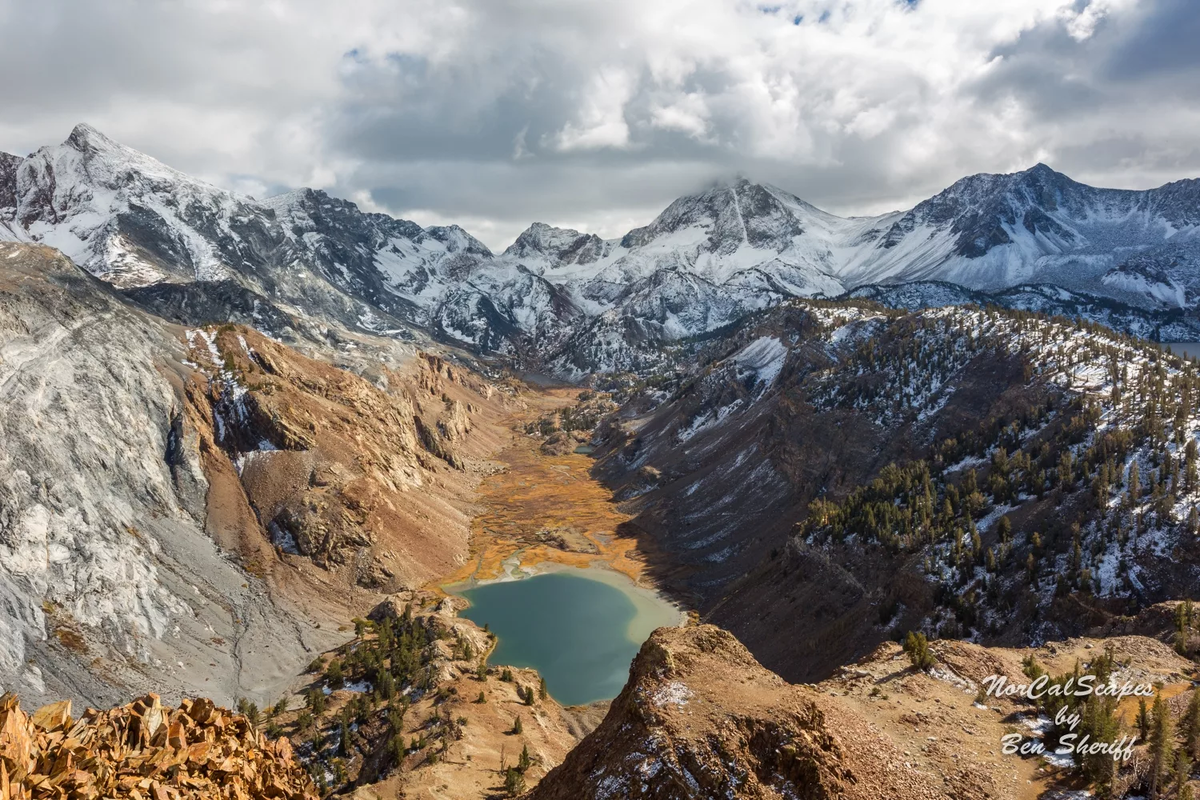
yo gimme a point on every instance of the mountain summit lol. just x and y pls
(708, 259)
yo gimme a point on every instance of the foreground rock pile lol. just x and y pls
(143, 751)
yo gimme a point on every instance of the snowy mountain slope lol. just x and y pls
(374, 256)
(137, 224)
(572, 301)
(131, 220)
(1039, 226)
(738, 233)
(1164, 325)
(710, 259)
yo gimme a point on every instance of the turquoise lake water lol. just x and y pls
(579, 628)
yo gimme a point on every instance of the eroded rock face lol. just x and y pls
(700, 718)
(183, 499)
(105, 562)
(332, 466)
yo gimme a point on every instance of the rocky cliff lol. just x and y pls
(193, 510)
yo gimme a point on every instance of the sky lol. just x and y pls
(595, 115)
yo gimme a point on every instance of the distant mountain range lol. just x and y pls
(573, 303)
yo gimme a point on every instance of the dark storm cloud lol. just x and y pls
(1162, 45)
(494, 113)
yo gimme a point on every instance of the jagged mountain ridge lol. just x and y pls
(1167, 325)
(997, 231)
(572, 302)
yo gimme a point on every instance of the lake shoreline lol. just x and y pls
(580, 629)
(618, 580)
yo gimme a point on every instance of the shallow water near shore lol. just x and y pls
(579, 628)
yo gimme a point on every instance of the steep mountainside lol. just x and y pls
(182, 508)
(997, 231)
(970, 473)
(700, 718)
(571, 302)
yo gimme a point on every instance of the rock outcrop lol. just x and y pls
(700, 718)
(143, 750)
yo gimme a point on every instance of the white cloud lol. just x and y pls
(601, 113)
(497, 112)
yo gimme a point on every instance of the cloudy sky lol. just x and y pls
(596, 113)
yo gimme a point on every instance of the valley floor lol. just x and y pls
(546, 508)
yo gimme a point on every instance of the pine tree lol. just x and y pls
(333, 674)
(514, 782)
(1183, 771)
(1143, 720)
(517, 727)
(1162, 747)
(1134, 484)
(1099, 723)
(1183, 626)
(1191, 475)
(1191, 726)
(543, 693)
(917, 648)
(524, 762)
(344, 735)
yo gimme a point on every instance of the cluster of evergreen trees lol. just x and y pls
(392, 658)
(389, 657)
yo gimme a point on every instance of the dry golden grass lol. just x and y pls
(537, 495)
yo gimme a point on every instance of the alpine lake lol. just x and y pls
(579, 628)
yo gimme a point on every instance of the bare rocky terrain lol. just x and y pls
(198, 511)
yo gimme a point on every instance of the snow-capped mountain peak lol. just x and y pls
(558, 247)
(709, 258)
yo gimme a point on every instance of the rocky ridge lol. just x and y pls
(571, 302)
(701, 718)
(143, 750)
